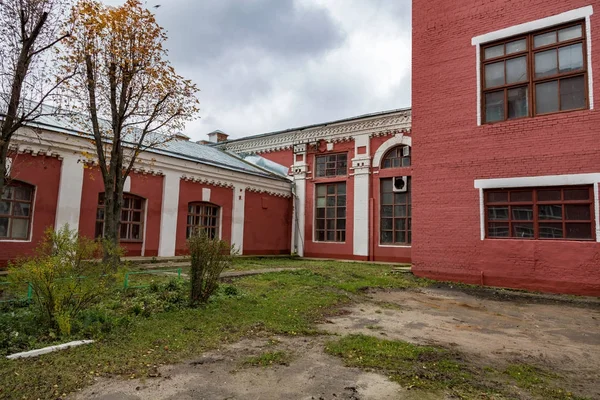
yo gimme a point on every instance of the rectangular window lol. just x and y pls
(538, 73)
(16, 208)
(395, 214)
(203, 216)
(332, 165)
(132, 218)
(330, 217)
(540, 213)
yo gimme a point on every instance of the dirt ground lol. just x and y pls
(490, 329)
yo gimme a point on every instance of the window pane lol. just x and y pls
(320, 224)
(341, 201)
(3, 227)
(330, 201)
(497, 197)
(387, 211)
(22, 193)
(330, 225)
(577, 212)
(330, 189)
(574, 231)
(570, 58)
(572, 32)
(19, 228)
(546, 97)
(498, 213)
(99, 230)
(320, 236)
(518, 103)
(138, 204)
(516, 70)
(387, 223)
(401, 237)
(521, 196)
(494, 106)
(321, 202)
(400, 211)
(521, 230)
(123, 233)
(341, 224)
(341, 188)
(522, 213)
(577, 194)
(516, 46)
(387, 198)
(5, 207)
(400, 198)
(548, 195)
(496, 229)
(400, 224)
(572, 93)
(386, 185)
(494, 74)
(136, 232)
(320, 213)
(330, 213)
(21, 209)
(100, 214)
(544, 39)
(545, 63)
(387, 237)
(495, 51)
(321, 190)
(331, 236)
(125, 216)
(341, 212)
(551, 231)
(550, 212)
(137, 216)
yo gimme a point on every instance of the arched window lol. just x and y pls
(132, 218)
(202, 216)
(16, 209)
(397, 157)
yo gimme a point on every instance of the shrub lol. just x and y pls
(209, 258)
(64, 278)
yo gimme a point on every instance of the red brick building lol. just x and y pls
(506, 136)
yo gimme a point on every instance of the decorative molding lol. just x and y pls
(397, 140)
(269, 192)
(207, 181)
(335, 133)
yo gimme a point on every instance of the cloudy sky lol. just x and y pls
(265, 65)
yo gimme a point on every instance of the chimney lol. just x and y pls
(181, 136)
(217, 136)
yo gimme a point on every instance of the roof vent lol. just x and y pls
(217, 136)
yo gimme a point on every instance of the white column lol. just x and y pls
(299, 170)
(237, 220)
(70, 188)
(361, 164)
(168, 214)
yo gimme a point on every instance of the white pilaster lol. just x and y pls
(237, 220)
(168, 215)
(299, 171)
(70, 188)
(361, 164)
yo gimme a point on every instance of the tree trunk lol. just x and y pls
(3, 157)
(112, 219)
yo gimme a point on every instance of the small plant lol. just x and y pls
(63, 278)
(209, 257)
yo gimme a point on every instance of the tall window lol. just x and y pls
(539, 73)
(132, 218)
(16, 206)
(332, 165)
(395, 218)
(203, 216)
(397, 157)
(540, 213)
(331, 212)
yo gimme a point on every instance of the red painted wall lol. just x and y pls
(267, 224)
(283, 157)
(451, 151)
(147, 186)
(192, 192)
(44, 173)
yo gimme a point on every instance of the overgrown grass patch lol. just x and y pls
(539, 382)
(268, 359)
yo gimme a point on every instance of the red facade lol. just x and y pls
(452, 151)
(267, 224)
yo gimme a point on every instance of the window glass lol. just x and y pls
(395, 218)
(496, 51)
(396, 158)
(332, 165)
(16, 208)
(131, 218)
(516, 70)
(330, 215)
(494, 74)
(516, 47)
(203, 217)
(518, 102)
(544, 39)
(569, 33)
(494, 106)
(545, 64)
(546, 97)
(570, 58)
(572, 93)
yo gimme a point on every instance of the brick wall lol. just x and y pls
(267, 224)
(451, 151)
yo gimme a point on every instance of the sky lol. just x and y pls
(267, 65)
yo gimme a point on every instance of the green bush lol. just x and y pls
(64, 278)
(209, 258)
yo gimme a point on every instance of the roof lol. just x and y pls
(182, 149)
(318, 125)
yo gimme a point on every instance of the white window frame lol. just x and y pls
(532, 26)
(539, 181)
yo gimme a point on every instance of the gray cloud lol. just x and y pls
(265, 65)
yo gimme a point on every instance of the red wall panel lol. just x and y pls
(147, 186)
(192, 192)
(283, 157)
(451, 151)
(267, 224)
(44, 173)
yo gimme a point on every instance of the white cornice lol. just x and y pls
(61, 145)
(387, 124)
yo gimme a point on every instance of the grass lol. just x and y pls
(538, 382)
(268, 359)
(288, 303)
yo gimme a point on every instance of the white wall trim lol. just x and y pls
(237, 218)
(387, 145)
(558, 19)
(539, 181)
(70, 188)
(360, 234)
(168, 214)
(206, 194)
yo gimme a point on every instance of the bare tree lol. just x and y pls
(29, 31)
(127, 90)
